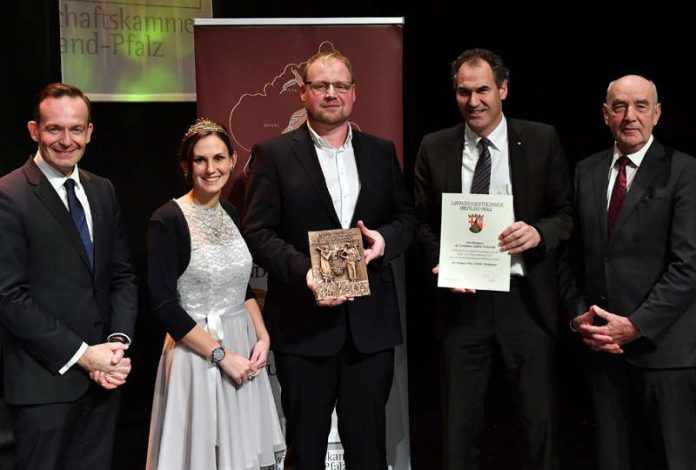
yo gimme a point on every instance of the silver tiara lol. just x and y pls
(204, 125)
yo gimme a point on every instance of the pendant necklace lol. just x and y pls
(216, 229)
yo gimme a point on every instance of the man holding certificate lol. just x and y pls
(491, 155)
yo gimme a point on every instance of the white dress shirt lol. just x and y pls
(501, 182)
(58, 179)
(340, 173)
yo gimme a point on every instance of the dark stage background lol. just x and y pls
(561, 61)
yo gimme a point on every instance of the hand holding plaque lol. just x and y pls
(338, 263)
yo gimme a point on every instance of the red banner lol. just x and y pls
(248, 77)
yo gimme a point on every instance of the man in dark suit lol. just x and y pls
(491, 154)
(636, 211)
(67, 294)
(338, 351)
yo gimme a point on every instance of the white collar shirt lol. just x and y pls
(57, 181)
(340, 174)
(635, 159)
(501, 183)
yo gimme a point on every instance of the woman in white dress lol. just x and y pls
(212, 407)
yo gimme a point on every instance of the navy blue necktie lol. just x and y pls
(482, 172)
(78, 216)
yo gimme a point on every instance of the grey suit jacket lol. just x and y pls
(647, 269)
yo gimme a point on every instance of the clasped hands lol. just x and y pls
(106, 364)
(374, 250)
(516, 238)
(240, 369)
(608, 338)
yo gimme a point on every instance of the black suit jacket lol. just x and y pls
(287, 197)
(50, 300)
(541, 190)
(647, 269)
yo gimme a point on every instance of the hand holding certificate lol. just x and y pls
(470, 255)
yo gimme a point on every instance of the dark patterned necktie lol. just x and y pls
(618, 193)
(482, 173)
(78, 216)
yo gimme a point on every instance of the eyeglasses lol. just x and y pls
(323, 87)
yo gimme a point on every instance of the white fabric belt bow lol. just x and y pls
(214, 324)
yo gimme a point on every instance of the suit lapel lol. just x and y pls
(306, 155)
(453, 164)
(600, 181)
(48, 196)
(362, 163)
(95, 208)
(518, 169)
(648, 170)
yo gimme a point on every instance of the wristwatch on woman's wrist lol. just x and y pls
(217, 355)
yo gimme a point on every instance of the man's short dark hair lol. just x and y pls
(473, 56)
(58, 90)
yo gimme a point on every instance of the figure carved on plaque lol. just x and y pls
(325, 253)
(351, 255)
(338, 263)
